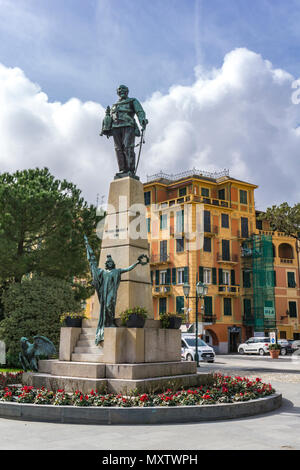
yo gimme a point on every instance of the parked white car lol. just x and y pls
(256, 345)
(188, 349)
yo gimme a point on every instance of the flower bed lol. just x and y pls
(225, 389)
(7, 378)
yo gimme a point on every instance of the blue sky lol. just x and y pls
(214, 76)
(84, 48)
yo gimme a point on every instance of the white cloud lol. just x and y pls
(239, 117)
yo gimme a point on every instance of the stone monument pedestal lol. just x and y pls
(144, 359)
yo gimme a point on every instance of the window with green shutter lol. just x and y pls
(180, 221)
(173, 275)
(205, 192)
(227, 307)
(163, 249)
(182, 192)
(246, 279)
(244, 227)
(179, 245)
(207, 244)
(243, 197)
(214, 276)
(225, 250)
(180, 304)
(291, 279)
(225, 220)
(163, 221)
(186, 275)
(147, 198)
(157, 277)
(208, 305)
(221, 194)
(162, 305)
(293, 309)
(207, 225)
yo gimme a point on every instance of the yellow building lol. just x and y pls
(219, 212)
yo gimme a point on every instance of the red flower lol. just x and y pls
(144, 397)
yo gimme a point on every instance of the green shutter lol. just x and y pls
(173, 275)
(168, 277)
(293, 309)
(274, 278)
(201, 273)
(291, 280)
(157, 277)
(246, 279)
(208, 305)
(214, 276)
(232, 277)
(220, 276)
(179, 304)
(186, 274)
(227, 306)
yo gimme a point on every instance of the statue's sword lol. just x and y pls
(139, 156)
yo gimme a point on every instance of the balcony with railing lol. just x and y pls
(159, 259)
(286, 260)
(211, 231)
(242, 234)
(233, 259)
(228, 290)
(208, 318)
(161, 290)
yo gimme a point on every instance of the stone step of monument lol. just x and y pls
(69, 384)
(88, 331)
(90, 323)
(87, 337)
(72, 369)
(85, 357)
(86, 341)
(87, 349)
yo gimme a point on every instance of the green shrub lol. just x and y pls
(132, 311)
(274, 346)
(34, 307)
(165, 318)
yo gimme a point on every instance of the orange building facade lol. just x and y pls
(197, 225)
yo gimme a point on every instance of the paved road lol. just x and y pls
(276, 430)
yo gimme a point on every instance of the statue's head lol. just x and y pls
(122, 91)
(109, 264)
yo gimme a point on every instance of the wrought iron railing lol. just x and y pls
(186, 174)
(158, 259)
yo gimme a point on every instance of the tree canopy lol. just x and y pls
(284, 218)
(42, 223)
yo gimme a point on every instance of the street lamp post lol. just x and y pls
(201, 292)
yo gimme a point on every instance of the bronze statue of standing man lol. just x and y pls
(120, 122)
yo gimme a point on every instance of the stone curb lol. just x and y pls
(138, 415)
